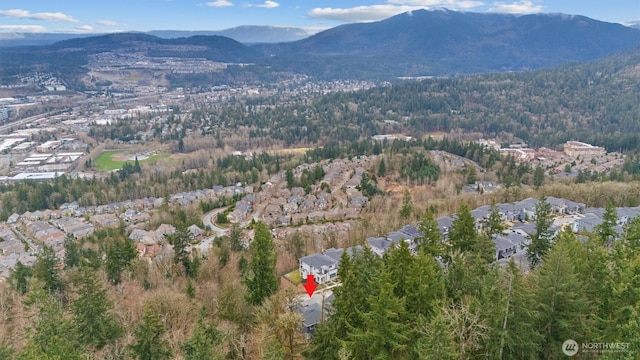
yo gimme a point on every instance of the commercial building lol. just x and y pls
(577, 148)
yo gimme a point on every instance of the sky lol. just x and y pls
(99, 16)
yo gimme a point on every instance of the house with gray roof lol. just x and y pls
(444, 224)
(379, 245)
(509, 244)
(322, 267)
(587, 222)
(527, 207)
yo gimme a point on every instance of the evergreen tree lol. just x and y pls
(510, 314)
(72, 253)
(431, 240)
(136, 165)
(463, 275)
(538, 176)
(398, 261)
(261, 280)
(385, 334)
(435, 340)
(119, 255)
(623, 296)
(291, 180)
(426, 288)
(19, 278)
(203, 341)
(559, 298)
(150, 343)
(493, 224)
(382, 168)
(356, 274)
(605, 230)
(46, 270)
(235, 238)
(407, 205)
(180, 241)
(92, 318)
(541, 238)
(463, 235)
(51, 333)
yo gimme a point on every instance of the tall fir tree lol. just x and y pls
(510, 314)
(180, 241)
(261, 280)
(606, 230)
(542, 236)
(538, 176)
(431, 240)
(493, 224)
(51, 335)
(385, 333)
(463, 235)
(435, 339)
(119, 255)
(559, 297)
(407, 206)
(46, 270)
(426, 289)
(149, 341)
(92, 317)
(399, 261)
(203, 341)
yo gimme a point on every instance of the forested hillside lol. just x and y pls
(413, 307)
(596, 102)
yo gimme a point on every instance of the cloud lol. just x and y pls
(220, 3)
(269, 4)
(360, 13)
(83, 28)
(632, 23)
(521, 7)
(45, 16)
(23, 28)
(451, 4)
(393, 7)
(107, 23)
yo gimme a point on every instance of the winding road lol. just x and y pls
(208, 221)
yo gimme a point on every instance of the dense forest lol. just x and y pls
(595, 102)
(464, 307)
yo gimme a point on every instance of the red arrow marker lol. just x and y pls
(310, 286)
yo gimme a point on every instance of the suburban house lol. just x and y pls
(322, 267)
(379, 245)
(444, 224)
(510, 244)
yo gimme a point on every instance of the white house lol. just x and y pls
(322, 267)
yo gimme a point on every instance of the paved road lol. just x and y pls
(208, 221)
(35, 248)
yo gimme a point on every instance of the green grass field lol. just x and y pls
(105, 161)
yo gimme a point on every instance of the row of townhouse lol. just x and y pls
(592, 217)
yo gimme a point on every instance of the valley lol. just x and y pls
(457, 185)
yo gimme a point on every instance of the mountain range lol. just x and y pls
(249, 34)
(418, 43)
